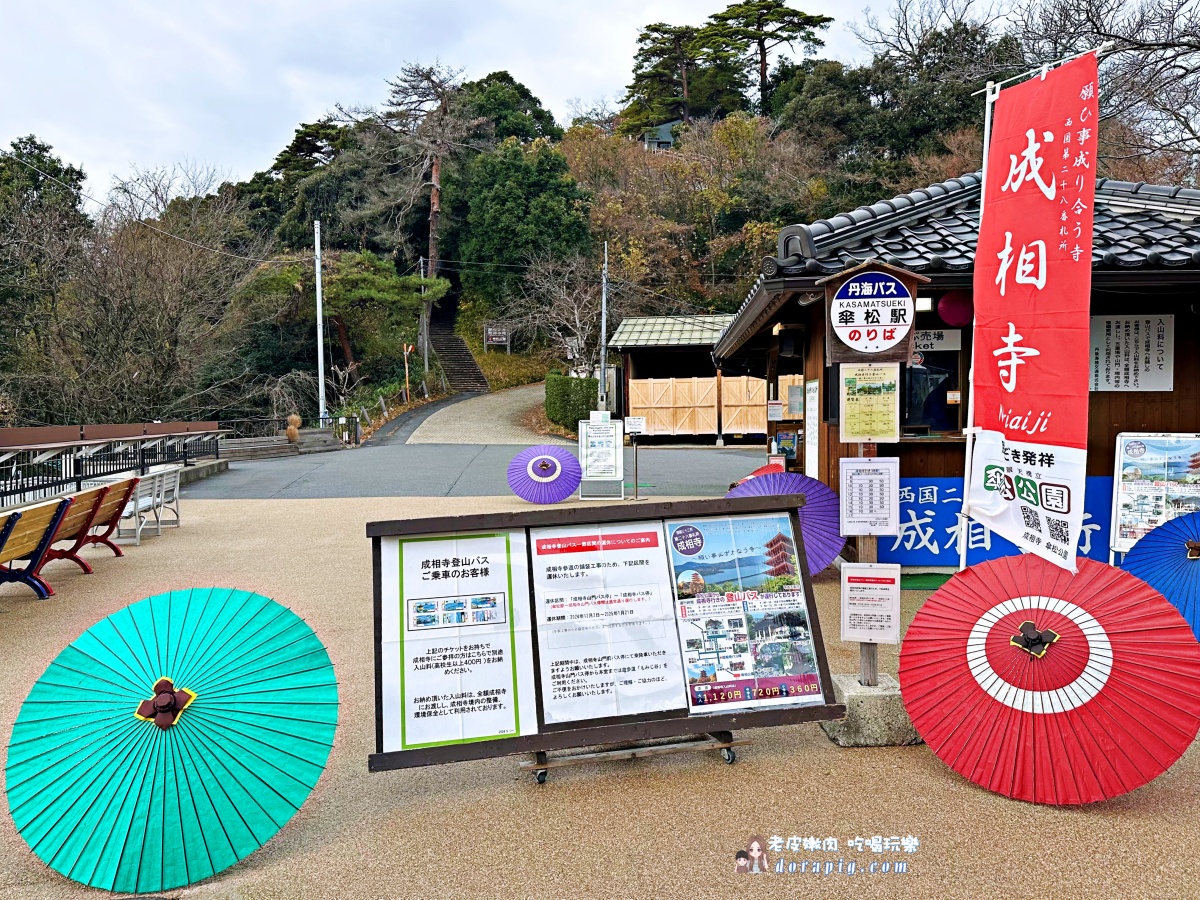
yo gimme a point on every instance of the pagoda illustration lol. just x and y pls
(780, 552)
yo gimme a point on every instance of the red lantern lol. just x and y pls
(956, 309)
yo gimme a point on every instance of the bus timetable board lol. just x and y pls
(564, 628)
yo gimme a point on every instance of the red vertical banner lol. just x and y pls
(1033, 278)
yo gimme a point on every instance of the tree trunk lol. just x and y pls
(762, 76)
(687, 113)
(435, 214)
(344, 340)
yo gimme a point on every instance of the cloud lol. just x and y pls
(127, 84)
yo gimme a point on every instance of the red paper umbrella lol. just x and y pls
(1052, 687)
(766, 470)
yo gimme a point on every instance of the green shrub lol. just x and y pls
(569, 400)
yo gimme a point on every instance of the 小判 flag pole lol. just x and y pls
(964, 525)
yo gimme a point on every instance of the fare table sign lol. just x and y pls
(1032, 286)
(566, 628)
(870, 495)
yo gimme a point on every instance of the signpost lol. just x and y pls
(635, 425)
(870, 312)
(497, 334)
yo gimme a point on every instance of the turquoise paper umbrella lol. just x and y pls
(171, 739)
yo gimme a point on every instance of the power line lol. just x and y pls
(153, 228)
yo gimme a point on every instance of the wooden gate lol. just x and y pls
(743, 405)
(675, 405)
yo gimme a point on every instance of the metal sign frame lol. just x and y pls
(591, 732)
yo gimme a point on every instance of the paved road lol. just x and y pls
(398, 462)
(498, 415)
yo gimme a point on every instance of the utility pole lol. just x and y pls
(424, 335)
(603, 399)
(320, 330)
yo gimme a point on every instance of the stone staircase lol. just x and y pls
(460, 367)
(318, 440)
(257, 448)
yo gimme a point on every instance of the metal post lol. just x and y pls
(603, 398)
(320, 328)
(633, 437)
(964, 528)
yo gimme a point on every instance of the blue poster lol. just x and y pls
(929, 525)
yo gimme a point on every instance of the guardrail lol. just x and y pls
(41, 462)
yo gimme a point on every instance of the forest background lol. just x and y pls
(461, 199)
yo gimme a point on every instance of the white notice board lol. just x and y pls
(870, 495)
(1132, 353)
(457, 651)
(812, 427)
(606, 631)
(871, 602)
(601, 453)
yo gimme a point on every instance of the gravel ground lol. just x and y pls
(665, 827)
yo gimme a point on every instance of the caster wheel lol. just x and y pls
(728, 755)
(540, 776)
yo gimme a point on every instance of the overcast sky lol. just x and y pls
(123, 83)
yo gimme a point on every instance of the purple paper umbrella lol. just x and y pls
(544, 474)
(820, 516)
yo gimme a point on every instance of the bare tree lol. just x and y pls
(150, 324)
(904, 33)
(560, 304)
(1149, 84)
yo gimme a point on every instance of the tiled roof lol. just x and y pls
(935, 229)
(669, 331)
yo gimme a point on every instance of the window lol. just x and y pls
(927, 410)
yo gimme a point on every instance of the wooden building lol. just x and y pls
(670, 378)
(1145, 279)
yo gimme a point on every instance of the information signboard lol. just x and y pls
(743, 620)
(870, 495)
(812, 420)
(605, 621)
(1132, 353)
(871, 603)
(870, 403)
(635, 425)
(600, 450)
(456, 640)
(1157, 478)
(872, 312)
(460, 673)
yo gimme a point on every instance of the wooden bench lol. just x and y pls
(97, 508)
(26, 534)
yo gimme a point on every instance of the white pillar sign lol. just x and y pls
(457, 649)
(606, 622)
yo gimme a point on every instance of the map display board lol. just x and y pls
(1157, 478)
(742, 615)
(456, 640)
(605, 621)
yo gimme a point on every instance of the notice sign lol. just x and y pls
(872, 312)
(870, 397)
(795, 400)
(774, 410)
(635, 424)
(605, 622)
(600, 450)
(871, 603)
(1157, 478)
(812, 400)
(741, 613)
(870, 495)
(1133, 354)
(457, 648)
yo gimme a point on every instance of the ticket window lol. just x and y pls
(932, 393)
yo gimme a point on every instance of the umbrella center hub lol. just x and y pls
(1033, 641)
(167, 704)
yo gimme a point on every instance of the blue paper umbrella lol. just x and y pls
(1168, 559)
(544, 474)
(820, 517)
(171, 739)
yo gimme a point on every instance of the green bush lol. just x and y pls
(569, 400)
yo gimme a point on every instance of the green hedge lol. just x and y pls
(568, 400)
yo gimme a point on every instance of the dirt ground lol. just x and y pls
(664, 827)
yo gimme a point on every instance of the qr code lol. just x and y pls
(1032, 519)
(1060, 532)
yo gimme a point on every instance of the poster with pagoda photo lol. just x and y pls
(741, 611)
